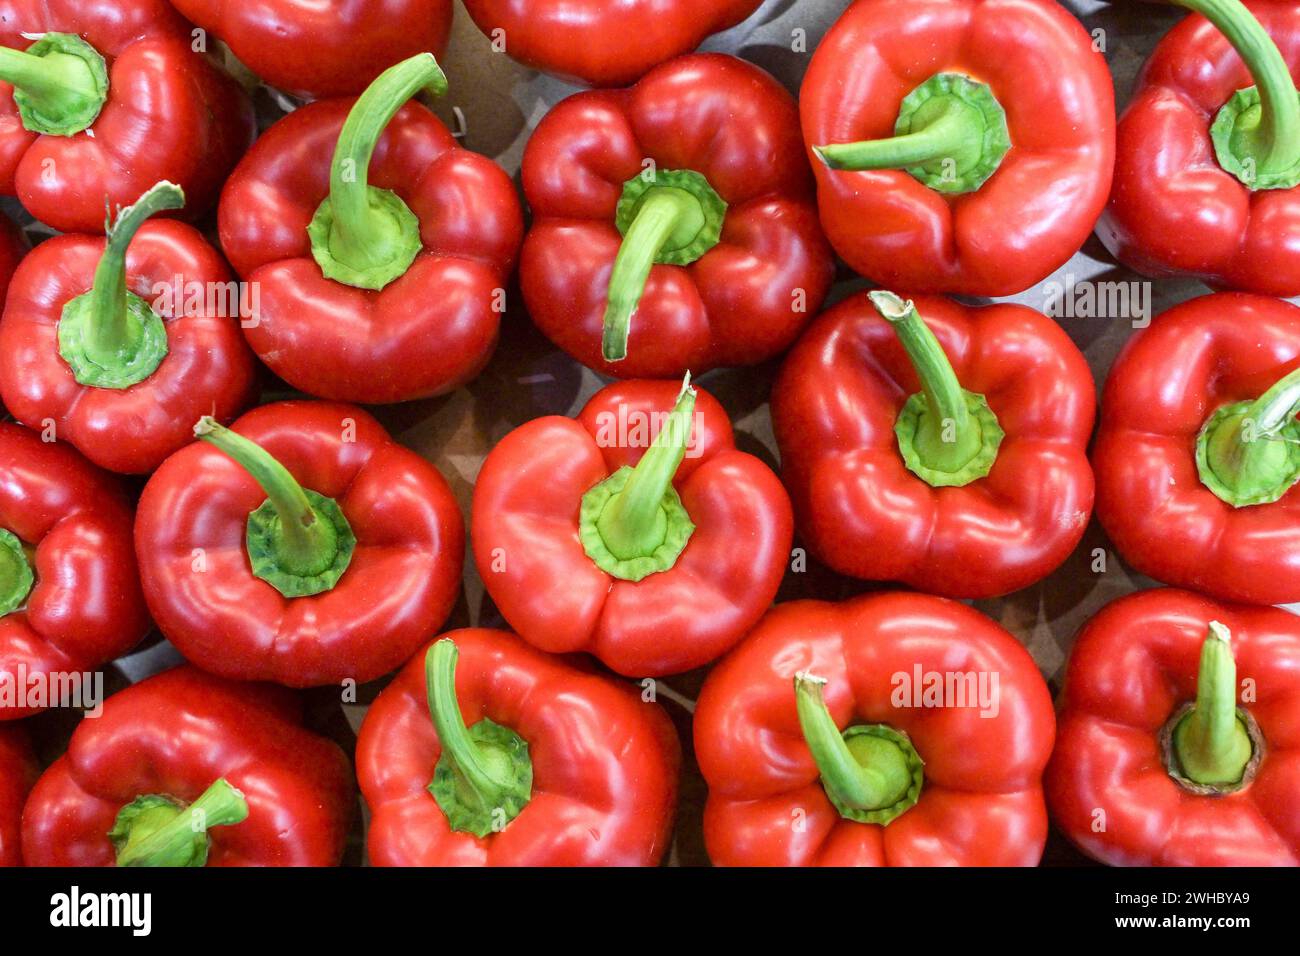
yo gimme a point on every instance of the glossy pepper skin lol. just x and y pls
(172, 736)
(595, 785)
(980, 801)
(1236, 537)
(418, 329)
(999, 523)
(1176, 209)
(1009, 115)
(168, 113)
(1133, 670)
(71, 591)
(133, 422)
(18, 772)
(737, 297)
(532, 537)
(390, 577)
(317, 50)
(599, 43)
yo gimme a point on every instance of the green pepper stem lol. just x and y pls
(470, 761)
(166, 834)
(60, 83)
(1212, 744)
(944, 137)
(1275, 140)
(484, 776)
(633, 523)
(663, 213)
(951, 135)
(1247, 452)
(50, 77)
(1277, 406)
(946, 438)
(361, 235)
(110, 332)
(1237, 443)
(873, 778)
(304, 536)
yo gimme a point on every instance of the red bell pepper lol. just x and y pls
(1179, 738)
(928, 725)
(1198, 452)
(711, 256)
(69, 590)
(656, 560)
(301, 545)
(512, 757)
(964, 146)
(18, 772)
(323, 49)
(380, 281)
(13, 246)
(945, 447)
(107, 339)
(111, 99)
(1208, 161)
(188, 769)
(601, 43)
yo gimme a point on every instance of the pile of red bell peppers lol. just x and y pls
(185, 368)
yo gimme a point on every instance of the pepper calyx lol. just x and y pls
(871, 772)
(668, 217)
(60, 84)
(484, 775)
(159, 830)
(633, 523)
(298, 541)
(361, 235)
(16, 575)
(951, 136)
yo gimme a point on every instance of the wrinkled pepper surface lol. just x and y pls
(244, 784)
(961, 146)
(122, 343)
(1179, 740)
(1198, 452)
(654, 559)
(937, 444)
(302, 545)
(890, 730)
(69, 589)
(486, 752)
(380, 247)
(99, 101)
(674, 225)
